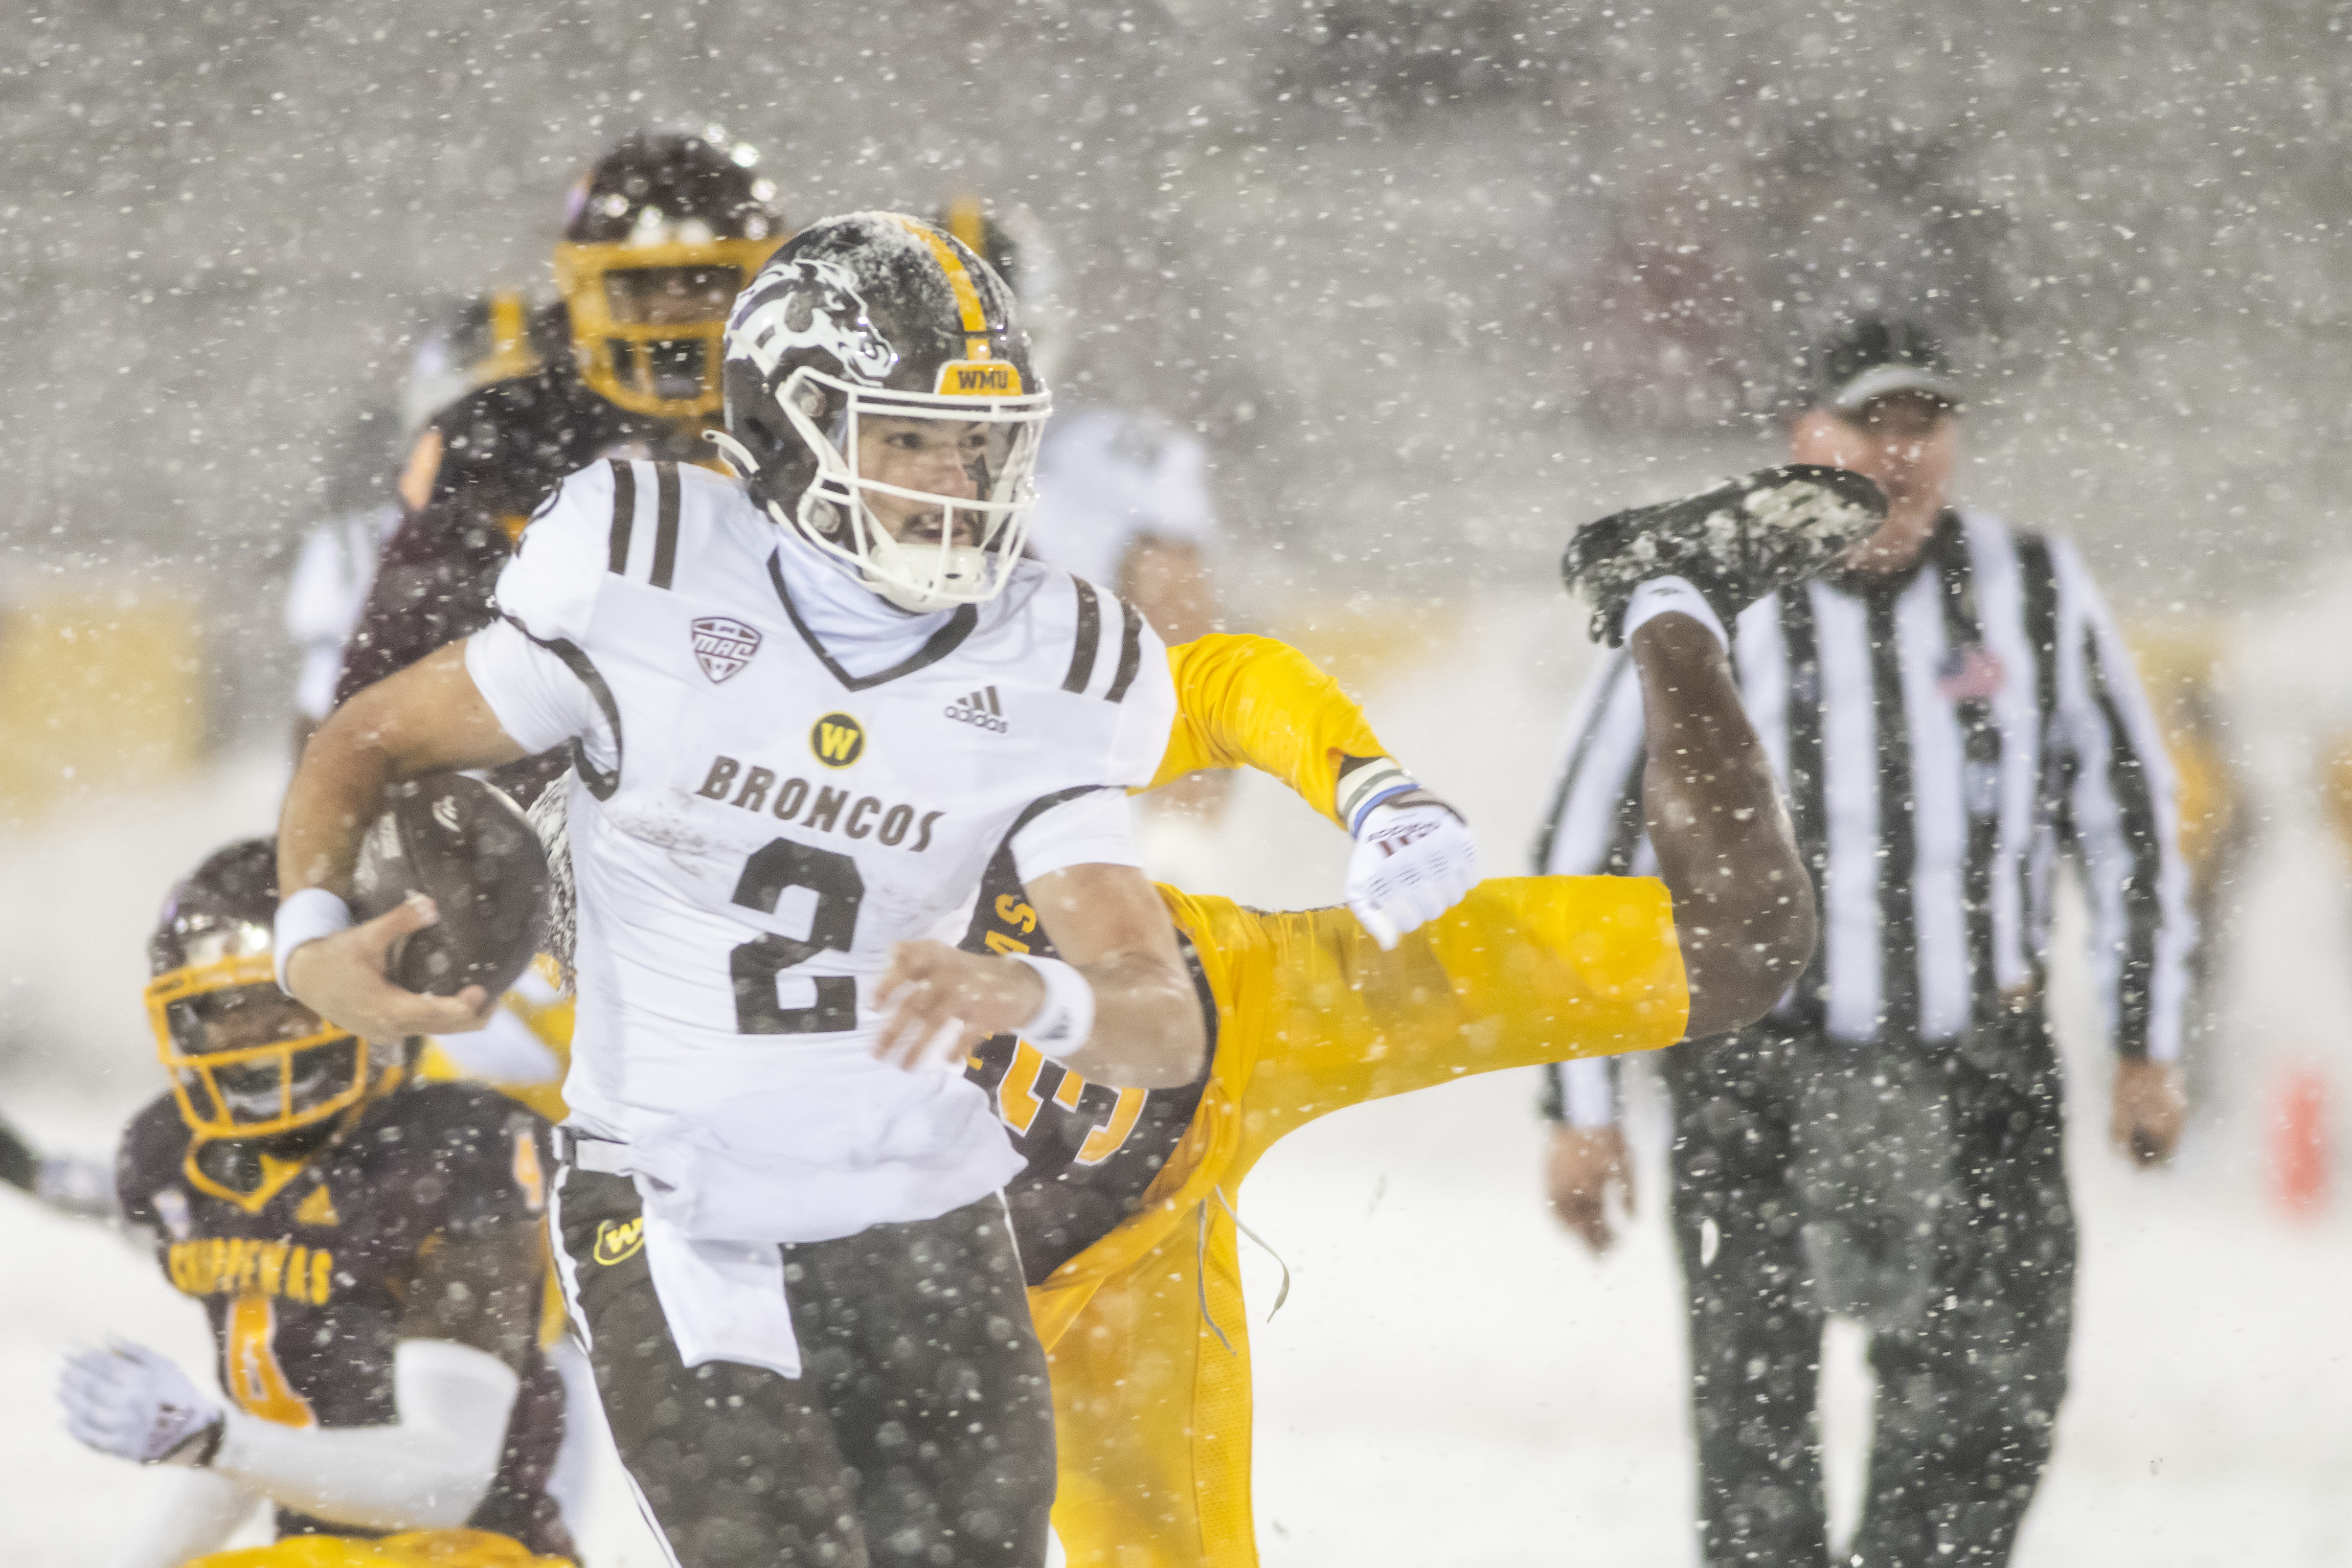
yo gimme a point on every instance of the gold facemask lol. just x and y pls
(670, 370)
(235, 1093)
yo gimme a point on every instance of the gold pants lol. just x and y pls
(1151, 1405)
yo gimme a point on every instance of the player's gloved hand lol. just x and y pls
(1414, 860)
(137, 1404)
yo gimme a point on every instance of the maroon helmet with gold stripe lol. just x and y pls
(660, 237)
(245, 1059)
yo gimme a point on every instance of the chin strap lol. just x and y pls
(968, 563)
(736, 455)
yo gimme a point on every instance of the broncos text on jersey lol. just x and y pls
(754, 826)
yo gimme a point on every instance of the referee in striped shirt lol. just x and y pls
(1948, 713)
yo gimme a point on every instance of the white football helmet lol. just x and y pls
(882, 316)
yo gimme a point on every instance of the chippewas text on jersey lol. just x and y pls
(757, 823)
(304, 1265)
(218, 1266)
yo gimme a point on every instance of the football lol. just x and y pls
(470, 850)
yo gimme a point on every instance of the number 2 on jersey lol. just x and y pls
(833, 927)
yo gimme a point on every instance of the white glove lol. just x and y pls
(1411, 864)
(137, 1404)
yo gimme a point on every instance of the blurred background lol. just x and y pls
(1432, 281)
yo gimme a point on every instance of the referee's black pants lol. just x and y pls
(1965, 1401)
(921, 1431)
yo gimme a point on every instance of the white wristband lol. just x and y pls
(305, 917)
(1368, 785)
(1673, 596)
(1066, 1022)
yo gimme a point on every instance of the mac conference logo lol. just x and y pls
(723, 646)
(837, 739)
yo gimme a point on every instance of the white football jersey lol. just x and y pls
(1107, 480)
(753, 827)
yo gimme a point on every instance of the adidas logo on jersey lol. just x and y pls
(980, 709)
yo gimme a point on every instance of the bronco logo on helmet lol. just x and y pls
(879, 330)
(811, 304)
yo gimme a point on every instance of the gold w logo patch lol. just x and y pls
(838, 739)
(318, 1209)
(619, 1243)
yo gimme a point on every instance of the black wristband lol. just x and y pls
(206, 1442)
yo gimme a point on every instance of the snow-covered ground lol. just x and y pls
(1452, 1381)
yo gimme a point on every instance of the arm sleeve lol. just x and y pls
(1089, 827)
(136, 1155)
(2124, 820)
(428, 1470)
(1595, 827)
(1252, 701)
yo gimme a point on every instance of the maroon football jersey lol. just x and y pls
(302, 1265)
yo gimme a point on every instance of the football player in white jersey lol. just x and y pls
(805, 710)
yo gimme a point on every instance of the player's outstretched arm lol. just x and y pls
(471, 1316)
(1116, 1006)
(428, 1469)
(1252, 702)
(1743, 905)
(428, 717)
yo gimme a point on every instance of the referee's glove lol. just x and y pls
(1414, 860)
(137, 1404)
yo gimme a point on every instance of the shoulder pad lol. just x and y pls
(550, 588)
(664, 515)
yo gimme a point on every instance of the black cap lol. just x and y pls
(1876, 356)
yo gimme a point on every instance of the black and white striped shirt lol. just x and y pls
(1940, 736)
